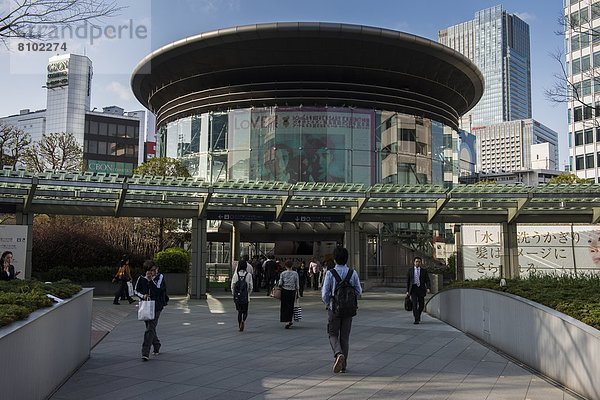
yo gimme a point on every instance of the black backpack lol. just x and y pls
(345, 302)
(240, 290)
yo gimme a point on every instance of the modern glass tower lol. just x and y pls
(498, 43)
(582, 50)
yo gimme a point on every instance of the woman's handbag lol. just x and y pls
(146, 310)
(276, 292)
(408, 305)
(130, 288)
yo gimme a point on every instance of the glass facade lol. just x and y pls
(111, 144)
(312, 144)
(498, 43)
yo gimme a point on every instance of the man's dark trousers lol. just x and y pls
(417, 296)
(150, 338)
(338, 330)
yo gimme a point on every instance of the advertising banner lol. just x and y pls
(13, 238)
(549, 249)
(293, 144)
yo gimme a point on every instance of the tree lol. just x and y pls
(40, 19)
(568, 179)
(13, 143)
(163, 166)
(57, 151)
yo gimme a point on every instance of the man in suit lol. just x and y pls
(417, 286)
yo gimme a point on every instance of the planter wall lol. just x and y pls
(41, 352)
(553, 343)
(177, 283)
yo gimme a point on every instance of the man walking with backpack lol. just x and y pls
(341, 289)
(241, 287)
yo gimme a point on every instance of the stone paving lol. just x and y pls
(204, 356)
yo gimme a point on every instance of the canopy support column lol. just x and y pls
(199, 259)
(510, 254)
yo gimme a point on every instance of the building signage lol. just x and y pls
(312, 217)
(241, 216)
(58, 74)
(110, 167)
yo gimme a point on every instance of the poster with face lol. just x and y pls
(303, 144)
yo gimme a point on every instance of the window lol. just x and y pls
(578, 138)
(587, 112)
(598, 135)
(577, 114)
(588, 136)
(93, 146)
(103, 128)
(584, 15)
(112, 130)
(589, 160)
(101, 147)
(598, 158)
(130, 131)
(585, 63)
(93, 127)
(584, 40)
(579, 163)
(576, 66)
(122, 131)
(586, 88)
(595, 11)
(574, 42)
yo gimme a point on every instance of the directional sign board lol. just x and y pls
(314, 217)
(240, 216)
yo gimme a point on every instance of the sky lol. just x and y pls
(119, 43)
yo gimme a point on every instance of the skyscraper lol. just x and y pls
(582, 52)
(498, 43)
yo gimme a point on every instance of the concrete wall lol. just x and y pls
(41, 352)
(557, 345)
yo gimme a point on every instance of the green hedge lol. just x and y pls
(575, 296)
(173, 260)
(80, 275)
(19, 298)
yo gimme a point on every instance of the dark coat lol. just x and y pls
(424, 283)
(143, 286)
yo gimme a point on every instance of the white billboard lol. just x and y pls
(557, 249)
(13, 238)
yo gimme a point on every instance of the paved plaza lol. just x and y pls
(204, 356)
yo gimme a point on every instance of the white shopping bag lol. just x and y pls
(146, 310)
(130, 288)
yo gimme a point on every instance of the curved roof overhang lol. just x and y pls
(310, 64)
(282, 207)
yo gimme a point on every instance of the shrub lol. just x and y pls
(20, 298)
(173, 260)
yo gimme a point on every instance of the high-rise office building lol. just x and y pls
(582, 65)
(516, 146)
(498, 43)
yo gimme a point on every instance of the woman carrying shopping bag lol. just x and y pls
(146, 288)
(122, 277)
(290, 283)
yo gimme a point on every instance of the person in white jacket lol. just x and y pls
(241, 287)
